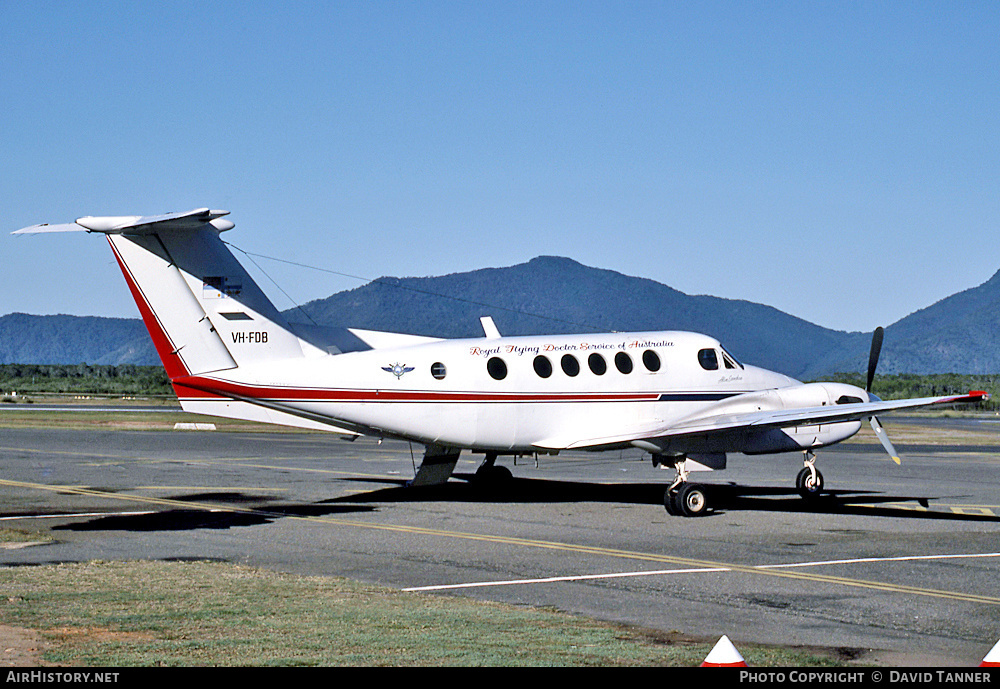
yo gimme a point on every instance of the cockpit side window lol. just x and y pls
(708, 359)
(729, 360)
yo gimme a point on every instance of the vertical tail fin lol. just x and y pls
(203, 310)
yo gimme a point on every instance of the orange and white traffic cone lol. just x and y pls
(992, 658)
(724, 655)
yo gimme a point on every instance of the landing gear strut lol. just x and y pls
(809, 482)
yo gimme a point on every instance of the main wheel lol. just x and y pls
(493, 480)
(691, 500)
(670, 502)
(688, 500)
(808, 487)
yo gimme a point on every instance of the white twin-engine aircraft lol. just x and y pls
(679, 396)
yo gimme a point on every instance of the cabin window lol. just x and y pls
(708, 359)
(497, 368)
(623, 362)
(570, 365)
(598, 365)
(543, 367)
(438, 370)
(651, 360)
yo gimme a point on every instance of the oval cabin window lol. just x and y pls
(542, 365)
(623, 362)
(597, 364)
(497, 368)
(570, 365)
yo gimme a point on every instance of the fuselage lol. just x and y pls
(508, 394)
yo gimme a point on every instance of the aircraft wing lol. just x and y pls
(810, 416)
(755, 421)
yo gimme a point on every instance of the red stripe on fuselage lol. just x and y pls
(201, 387)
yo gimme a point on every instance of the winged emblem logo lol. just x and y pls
(398, 369)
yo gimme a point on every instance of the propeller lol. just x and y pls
(873, 356)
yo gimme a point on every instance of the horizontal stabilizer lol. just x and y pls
(38, 229)
(139, 224)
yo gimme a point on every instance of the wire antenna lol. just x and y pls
(381, 281)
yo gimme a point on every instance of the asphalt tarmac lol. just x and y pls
(897, 559)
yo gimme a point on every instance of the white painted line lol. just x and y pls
(900, 558)
(77, 514)
(619, 575)
(580, 577)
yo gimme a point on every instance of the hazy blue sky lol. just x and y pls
(837, 160)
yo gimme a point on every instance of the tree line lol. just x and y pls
(83, 379)
(913, 385)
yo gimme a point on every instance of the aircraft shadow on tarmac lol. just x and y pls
(722, 498)
(251, 511)
(234, 509)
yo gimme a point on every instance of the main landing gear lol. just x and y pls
(682, 499)
(685, 499)
(491, 477)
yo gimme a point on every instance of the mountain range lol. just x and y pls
(551, 294)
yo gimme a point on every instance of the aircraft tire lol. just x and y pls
(689, 500)
(494, 479)
(670, 502)
(807, 488)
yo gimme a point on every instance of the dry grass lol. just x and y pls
(215, 614)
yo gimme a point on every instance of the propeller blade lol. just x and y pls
(884, 439)
(873, 356)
